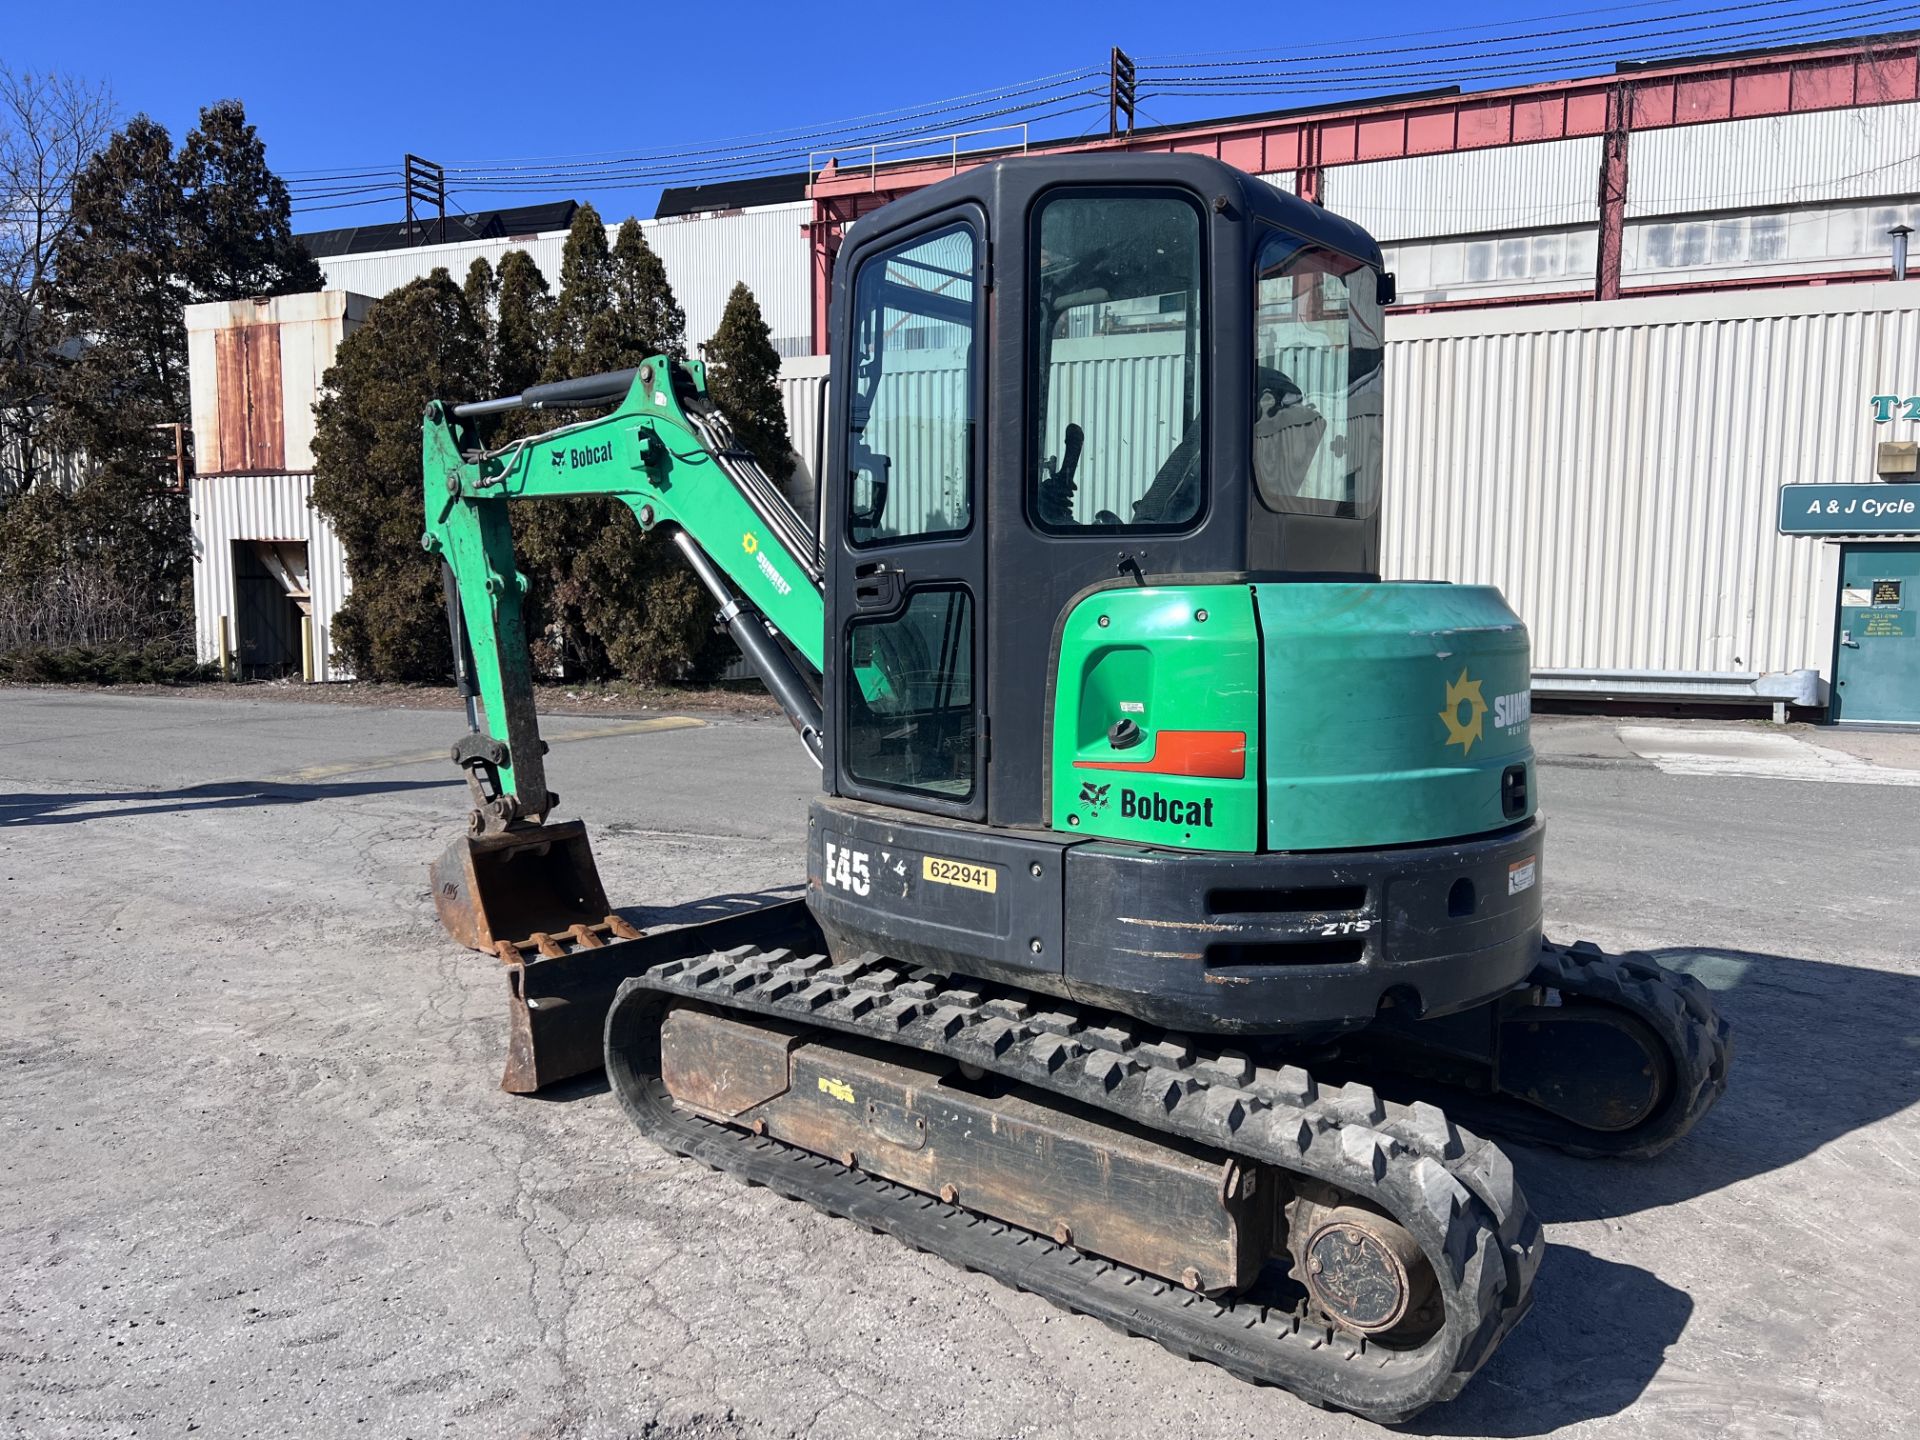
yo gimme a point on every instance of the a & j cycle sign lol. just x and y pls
(1870, 509)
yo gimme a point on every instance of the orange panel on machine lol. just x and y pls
(1206, 754)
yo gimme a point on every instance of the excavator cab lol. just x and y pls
(1105, 616)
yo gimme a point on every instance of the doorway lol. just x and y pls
(271, 603)
(1876, 665)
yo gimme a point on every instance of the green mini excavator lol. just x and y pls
(1173, 893)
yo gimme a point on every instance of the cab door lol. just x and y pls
(907, 620)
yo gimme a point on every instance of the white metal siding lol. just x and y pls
(1814, 156)
(1613, 467)
(1470, 192)
(803, 389)
(225, 508)
(704, 254)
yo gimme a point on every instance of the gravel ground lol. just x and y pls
(258, 1180)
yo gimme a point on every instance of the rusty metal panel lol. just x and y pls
(255, 370)
(230, 433)
(250, 405)
(266, 415)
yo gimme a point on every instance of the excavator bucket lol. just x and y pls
(519, 887)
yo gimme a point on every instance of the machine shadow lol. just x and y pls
(1596, 1337)
(710, 907)
(1819, 1050)
(19, 809)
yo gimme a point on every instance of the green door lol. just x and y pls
(1876, 667)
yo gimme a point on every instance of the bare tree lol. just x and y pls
(50, 126)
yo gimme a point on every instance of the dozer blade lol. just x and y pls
(518, 885)
(557, 1003)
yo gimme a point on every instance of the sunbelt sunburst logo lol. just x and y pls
(1466, 714)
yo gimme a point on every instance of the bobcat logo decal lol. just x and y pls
(1093, 796)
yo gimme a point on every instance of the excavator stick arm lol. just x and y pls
(662, 451)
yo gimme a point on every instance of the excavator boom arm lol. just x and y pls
(670, 458)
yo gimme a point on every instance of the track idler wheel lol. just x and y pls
(1363, 1270)
(1592, 1064)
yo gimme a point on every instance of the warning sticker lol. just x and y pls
(1521, 875)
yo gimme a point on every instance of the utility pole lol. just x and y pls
(1119, 91)
(426, 182)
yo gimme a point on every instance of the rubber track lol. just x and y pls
(1679, 1011)
(1452, 1190)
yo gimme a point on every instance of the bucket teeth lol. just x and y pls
(523, 886)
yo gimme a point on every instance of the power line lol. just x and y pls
(646, 170)
(1379, 40)
(790, 140)
(1519, 49)
(1314, 52)
(1362, 77)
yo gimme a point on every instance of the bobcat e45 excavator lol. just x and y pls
(1159, 840)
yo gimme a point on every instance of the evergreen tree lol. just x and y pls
(743, 379)
(651, 320)
(523, 318)
(419, 343)
(580, 325)
(482, 291)
(606, 598)
(119, 284)
(238, 220)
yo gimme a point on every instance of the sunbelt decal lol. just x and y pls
(1510, 712)
(1466, 710)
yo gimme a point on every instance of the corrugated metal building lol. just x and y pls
(268, 572)
(1615, 467)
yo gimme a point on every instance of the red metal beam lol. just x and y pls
(1818, 77)
(1613, 192)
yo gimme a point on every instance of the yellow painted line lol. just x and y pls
(429, 757)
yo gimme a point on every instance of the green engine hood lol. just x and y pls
(1394, 713)
(1299, 716)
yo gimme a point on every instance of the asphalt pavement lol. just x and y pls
(256, 1178)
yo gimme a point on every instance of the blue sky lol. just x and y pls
(349, 87)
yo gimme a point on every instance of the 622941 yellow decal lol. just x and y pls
(960, 873)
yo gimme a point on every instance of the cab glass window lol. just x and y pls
(1317, 398)
(910, 713)
(912, 406)
(1116, 330)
